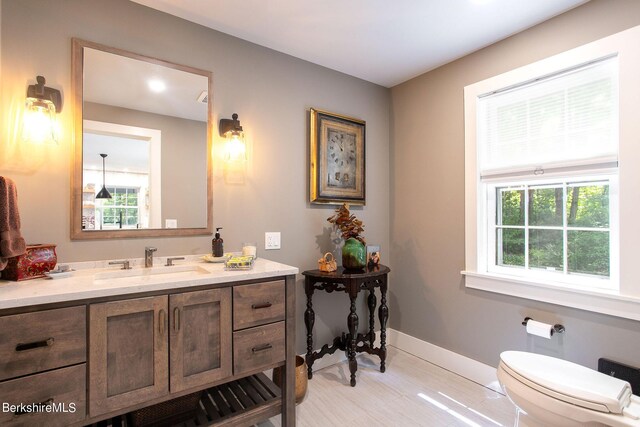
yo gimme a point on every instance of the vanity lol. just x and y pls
(106, 342)
(107, 346)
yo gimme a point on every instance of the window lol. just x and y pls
(121, 211)
(549, 181)
(564, 124)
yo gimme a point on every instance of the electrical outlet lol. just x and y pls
(271, 240)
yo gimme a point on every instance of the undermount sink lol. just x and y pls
(151, 271)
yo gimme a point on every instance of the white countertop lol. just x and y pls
(86, 283)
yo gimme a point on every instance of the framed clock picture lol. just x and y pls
(337, 161)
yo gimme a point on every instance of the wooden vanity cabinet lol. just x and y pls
(128, 353)
(134, 342)
(63, 389)
(259, 330)
(42, 362)
(40, 341)
(120, 353)
(200, 337)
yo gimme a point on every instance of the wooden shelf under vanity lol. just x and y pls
(239, 400)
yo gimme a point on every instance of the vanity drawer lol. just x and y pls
(258, 347)
(258, 304)
(63, 389)
(43, 340)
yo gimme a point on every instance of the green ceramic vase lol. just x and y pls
(354, 254)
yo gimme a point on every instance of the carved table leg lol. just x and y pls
(352, 322)
(372, 309)
(309, 320)
(383, 315)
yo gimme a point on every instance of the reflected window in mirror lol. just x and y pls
(123, 210)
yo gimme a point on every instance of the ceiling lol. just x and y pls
(123, 82)
(124, 154)
(381, 41)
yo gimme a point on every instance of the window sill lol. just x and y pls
(598, 301)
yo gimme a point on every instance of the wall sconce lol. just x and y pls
(235, 148)
(104, 193)
(40, 123)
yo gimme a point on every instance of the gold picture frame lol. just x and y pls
(337, 159)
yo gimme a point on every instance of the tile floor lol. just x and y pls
(412, 392)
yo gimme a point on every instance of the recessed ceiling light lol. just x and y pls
(157, 85)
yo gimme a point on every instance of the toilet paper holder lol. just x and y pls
(557, 328)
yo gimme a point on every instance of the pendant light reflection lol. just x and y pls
(235, 148)
(40, 123)
(104, 193)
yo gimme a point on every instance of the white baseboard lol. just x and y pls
(466, 367)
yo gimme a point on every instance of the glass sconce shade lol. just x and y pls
(235, 148)
(40, 123)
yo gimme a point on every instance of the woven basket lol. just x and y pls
(301, 378)
(167, 413)
(327, 263)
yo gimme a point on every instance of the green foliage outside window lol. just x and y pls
(586, 207)
(123, 205)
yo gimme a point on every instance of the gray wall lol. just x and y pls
(270, 91)
(429, 300)
(184, 159)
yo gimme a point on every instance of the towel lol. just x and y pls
(11, 242)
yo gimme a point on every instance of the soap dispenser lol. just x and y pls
(216, 244)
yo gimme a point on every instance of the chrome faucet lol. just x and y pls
(148, 256)
(125, 264)
(171, 259)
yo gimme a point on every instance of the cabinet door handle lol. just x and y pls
(161, 321)
(263, 305)
(176, 319)
(261, 348)
(36, 344)
(47, 402)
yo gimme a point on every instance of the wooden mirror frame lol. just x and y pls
(77, 64)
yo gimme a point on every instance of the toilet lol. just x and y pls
(553, 392)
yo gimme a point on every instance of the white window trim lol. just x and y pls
(598, 301)
(154, 136)
(625, 302)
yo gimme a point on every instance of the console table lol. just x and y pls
(351, 282)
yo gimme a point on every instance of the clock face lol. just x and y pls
(341, 159)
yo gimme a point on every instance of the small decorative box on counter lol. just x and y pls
(39, 259)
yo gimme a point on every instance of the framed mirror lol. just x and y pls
(142, 146)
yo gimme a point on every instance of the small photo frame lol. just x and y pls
(373, 255)
(337, 159)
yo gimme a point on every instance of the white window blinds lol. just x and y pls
(566, 120)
